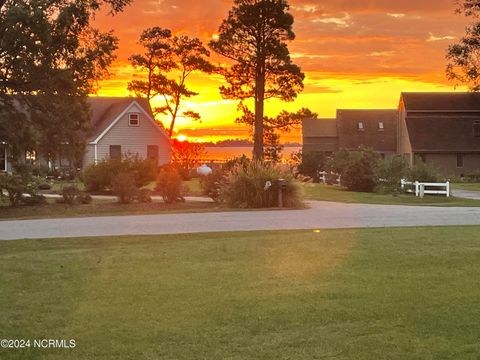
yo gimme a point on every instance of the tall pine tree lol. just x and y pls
(254, 37)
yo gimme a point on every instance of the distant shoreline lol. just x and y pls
(245, 145)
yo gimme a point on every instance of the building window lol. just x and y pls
(460, 161)
(133, 120)
(152, 152)
(476, 128)
(115, 152)
(360, 126)
(3, 157)
(30, 156)
(381, 126)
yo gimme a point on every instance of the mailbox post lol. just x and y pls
(282, 186)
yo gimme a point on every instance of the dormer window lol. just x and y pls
(360, 126)
(381, 126)
(476, 128)
(133, 119)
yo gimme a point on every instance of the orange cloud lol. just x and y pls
(356, 54)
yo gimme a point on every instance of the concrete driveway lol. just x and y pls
(321, 215)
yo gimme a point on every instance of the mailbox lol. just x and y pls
(282, 186)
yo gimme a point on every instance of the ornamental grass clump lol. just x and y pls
(255, 185)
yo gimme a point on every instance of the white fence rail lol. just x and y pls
(323, 177)
(422, 188)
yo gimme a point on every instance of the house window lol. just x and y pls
(460, 161)
(152, 152)
(381, 126)
(360, 126)
(476, 128)
(115, 152)
(30, 156)
(3, 157)
(133, 120)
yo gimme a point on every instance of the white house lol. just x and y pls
(124, 125)
(119, 125)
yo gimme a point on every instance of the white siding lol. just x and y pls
(134, 139)
(89, 157)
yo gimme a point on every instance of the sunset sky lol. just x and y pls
(355, 54)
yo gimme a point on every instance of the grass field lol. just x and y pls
(338, 294)
(466, 186)
(334, 193)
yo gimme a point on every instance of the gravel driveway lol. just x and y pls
(321, 215)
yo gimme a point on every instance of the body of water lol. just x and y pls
(221, 154)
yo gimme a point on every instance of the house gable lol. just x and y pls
(376, 129)
(134, 107)
(116, 134)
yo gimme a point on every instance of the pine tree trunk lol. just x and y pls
(259, 110)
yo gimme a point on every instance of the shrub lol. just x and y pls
(99, 177)
(212, 184)
(357, 168)
(124, 187)
(34, 200)
(423, 172)
(247, 187)
(472, 178)
(169, 185)
(312, 163)
(69, 193)
(143, 196)
(390, 171)
(83, 198)
(44, 186)
(16, 185)
(144, 170)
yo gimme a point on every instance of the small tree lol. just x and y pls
(167, 54)
(357, 168)
(187, 156)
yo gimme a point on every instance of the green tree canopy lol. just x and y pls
(254, 37)
(166, 54)
(51, 58)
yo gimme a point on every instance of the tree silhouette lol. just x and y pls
(464, 56)
(273, 127)
(51, 58)
(167, 54)
(254, 36)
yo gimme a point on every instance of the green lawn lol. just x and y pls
(335, 193)
(466, 186)
(338, 294)
(99, 208)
